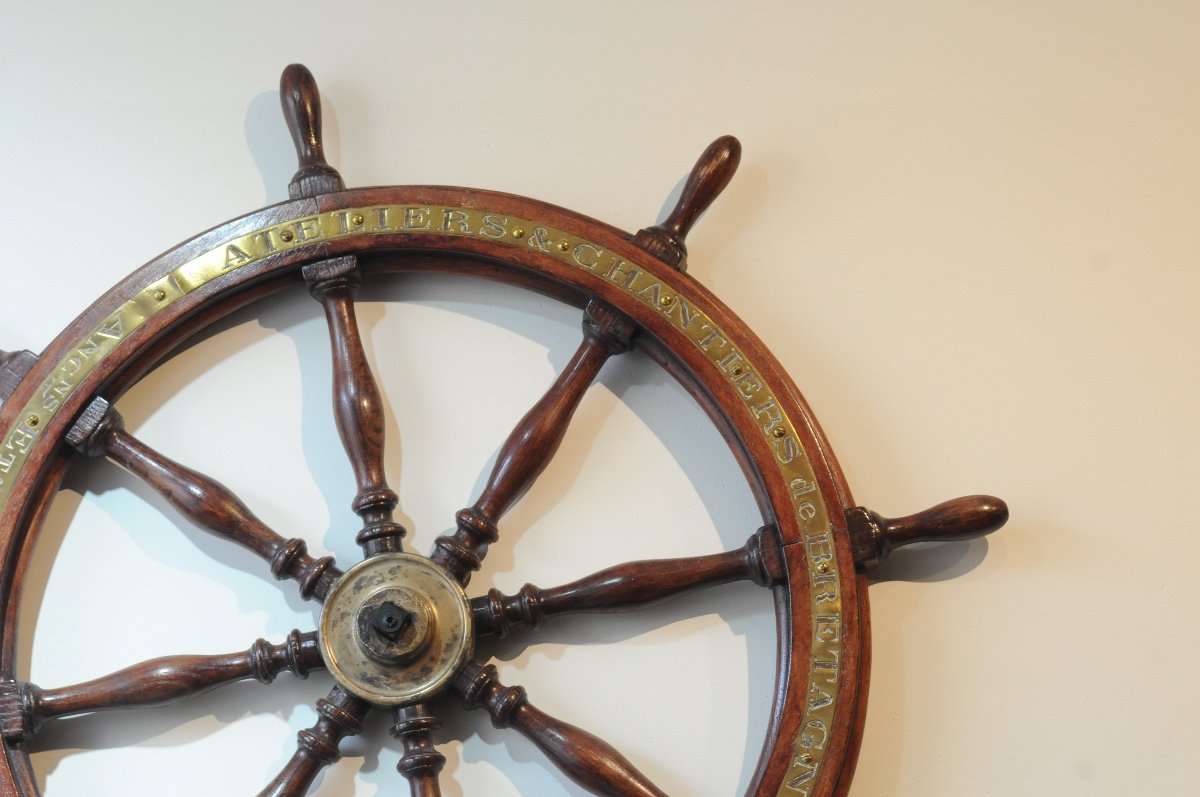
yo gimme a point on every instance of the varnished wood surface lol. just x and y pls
(584, 758)
(24, 707)
(610, 323)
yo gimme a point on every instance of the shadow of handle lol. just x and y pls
(873, 536)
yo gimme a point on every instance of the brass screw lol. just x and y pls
(32, 420)
(779, 432)
(358, 219)
(806, 759)
(518, 232)
(738, 370)
(286, 236)
(665, 300)
(564, 246)
(159, 295)
(823, 567)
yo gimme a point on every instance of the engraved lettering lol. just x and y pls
(808, 772)
(830, 666)
(20, 439)
(416, 218)
(685, 313)
(731, 361)
(6, 462)
(820, 548)
(786, 448)
(748, 384)
(88, 348)
(623, 278)
(806, 511)
(651, 293)
(381, 219)
(591, 253)
(818, 698)
(112, 328)
(801, 487)
(828, 627)
(307, 229)
(495, 227)
(343, 217)
(712, 337)
(826, 588)
(72, 365)
(264, 240)
(814, 735)
(458, 217)
(53, 393)
(234, 256)
(774, 416)
(538, 239)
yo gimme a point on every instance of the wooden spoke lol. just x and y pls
(341, 716)
(533, 442)
(100, 430)
(584, 758)
(421, 762)
(24, 707)
(358, 407)
(631, 585)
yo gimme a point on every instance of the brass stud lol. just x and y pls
(159, 295)
(738, 370)
(32, 420)
(779, 431)
(358, 220)
(518, 232)
(666, 300)
(564, 245)
(806, 759)
(286, 236)
(823, 567)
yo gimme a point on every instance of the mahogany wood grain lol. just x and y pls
(204, 501)
(708, 178)
(589, 761)
(632, 585)
(873, 536)
(301, 103)
(24, 707)
(341, 715)
(531, 445)
(357, 404)
(421, 762)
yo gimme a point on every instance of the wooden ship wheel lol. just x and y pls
(401, 627)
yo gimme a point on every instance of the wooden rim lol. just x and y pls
(812, 739)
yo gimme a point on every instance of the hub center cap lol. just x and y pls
(395, 629)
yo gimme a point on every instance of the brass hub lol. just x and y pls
(395, 629)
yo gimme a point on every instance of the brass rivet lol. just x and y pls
(159, 295)
(806, 759)
(32, 420)
(358, 219)
(739, 370)
(564, 246)
(823, 567)
(286, 235)
(665, 300)
(780, 432)
(518, 232)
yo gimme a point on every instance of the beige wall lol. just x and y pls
(969, 230)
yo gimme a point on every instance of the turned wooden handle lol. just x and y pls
(873, 536)
(712, 172)
(302, 109)
(707, 180)
(301, 103)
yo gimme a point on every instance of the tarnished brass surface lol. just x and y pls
(423, 657)
(778, 430)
